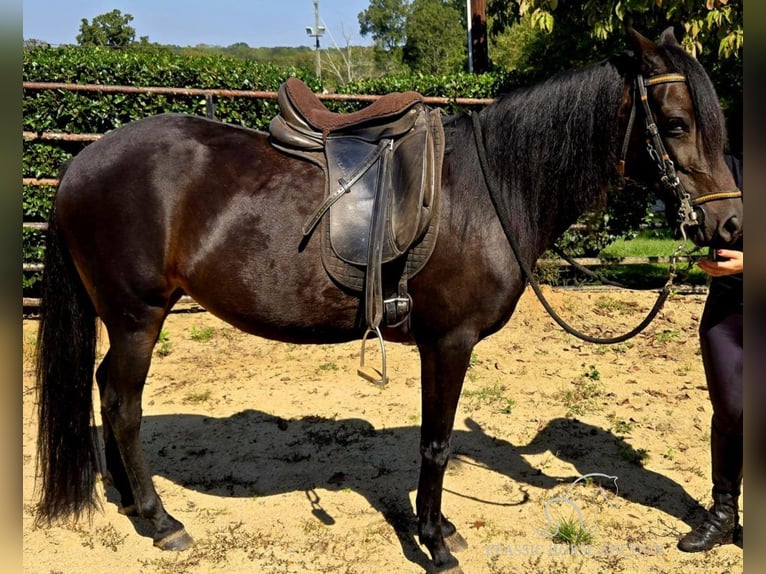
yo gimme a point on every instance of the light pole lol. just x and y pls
(316, 32)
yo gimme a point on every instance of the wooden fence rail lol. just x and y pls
(255, 94)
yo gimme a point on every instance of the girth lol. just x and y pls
(382, 169)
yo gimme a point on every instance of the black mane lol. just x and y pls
(555, 145)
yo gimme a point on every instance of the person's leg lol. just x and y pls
(721, 343)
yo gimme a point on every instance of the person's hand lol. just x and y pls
(731, 263)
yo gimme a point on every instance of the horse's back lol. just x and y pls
(177, 203)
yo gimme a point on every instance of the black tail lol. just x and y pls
(66, 346)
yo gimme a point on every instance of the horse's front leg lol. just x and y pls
(443, 367)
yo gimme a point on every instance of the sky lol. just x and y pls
(258, 23)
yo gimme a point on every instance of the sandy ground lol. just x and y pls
(279, 458)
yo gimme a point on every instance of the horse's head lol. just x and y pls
(677, 141)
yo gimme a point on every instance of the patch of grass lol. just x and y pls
(667, 336)
(30, 348)
(202, 334)
(606, 305)
(635, 456)
(327, 367)
(489, 394)
(572, 532)
(109, 538)
(492, 395)
(619, 426)
(647, 243)
(617, 348)
(583, 397)
(164, 345)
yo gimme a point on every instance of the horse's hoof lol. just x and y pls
(455, 542)
(179, 540)
(448, 569)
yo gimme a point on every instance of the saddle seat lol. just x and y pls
(302, 108)
(382, 168)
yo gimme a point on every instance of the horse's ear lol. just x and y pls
(647, 53)
(640, 42)
(668, 37)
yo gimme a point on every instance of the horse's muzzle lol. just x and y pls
(718, 230)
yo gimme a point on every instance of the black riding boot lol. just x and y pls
(721, 525)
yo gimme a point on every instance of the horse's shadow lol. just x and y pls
(256, 453)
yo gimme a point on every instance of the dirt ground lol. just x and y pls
(279, 459)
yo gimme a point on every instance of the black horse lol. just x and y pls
(174, 205)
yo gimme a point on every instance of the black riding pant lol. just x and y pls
(721, 342)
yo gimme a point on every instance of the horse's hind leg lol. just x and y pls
(114, 466)
(121, 379)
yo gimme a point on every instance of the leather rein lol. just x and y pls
(667, 176)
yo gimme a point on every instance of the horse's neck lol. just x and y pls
(555, 149)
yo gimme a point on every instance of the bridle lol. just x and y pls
(687, 216)
(667, 176)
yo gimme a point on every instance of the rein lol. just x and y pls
(668, 178)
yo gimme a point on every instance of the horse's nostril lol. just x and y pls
(732, 226)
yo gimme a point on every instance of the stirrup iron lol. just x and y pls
(376, 377)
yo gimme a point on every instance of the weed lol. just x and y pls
(109, 538)
(592, 373)
(491, 395)
(671, 453)
(620, 427)
(203, 334)
(684, 369)
(164, 343)
(606, 305)
(632, 455)
(508, 407)
(327, 367)
(583, 398)
(571, 531)
(666, 336)
(547, 271)
(197, 398)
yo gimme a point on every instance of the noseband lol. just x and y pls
(656, 149)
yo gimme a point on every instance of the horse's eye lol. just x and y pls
(676, 127)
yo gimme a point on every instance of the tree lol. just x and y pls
(111, 29)
(385, 21)
(435, 41)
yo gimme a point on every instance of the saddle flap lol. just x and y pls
(402, 176)
(410, 168)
